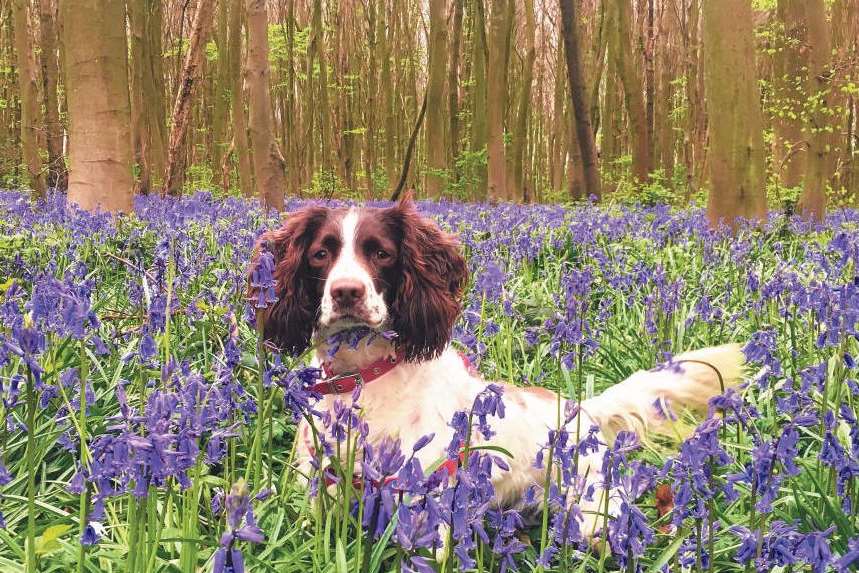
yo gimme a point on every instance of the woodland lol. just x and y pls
(627, 180)
(745, 104)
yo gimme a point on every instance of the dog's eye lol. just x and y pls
(382, 255)
(320, 255)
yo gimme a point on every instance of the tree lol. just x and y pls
(579, 100)
(479, 121)
(57, 176)
(633, 96)
(436, 66)
(267, 160)
(28, 96)
(174, 170)
(520, 134)
(100, 154)
(818, 46)
(737, 173)
(237, 102)
(496, 100)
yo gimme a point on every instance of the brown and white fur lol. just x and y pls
(393, 269)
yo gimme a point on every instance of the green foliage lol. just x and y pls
(327, 184)
(470, 168)
(199, 176)
(659, 189)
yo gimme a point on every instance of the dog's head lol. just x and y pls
(388, 269)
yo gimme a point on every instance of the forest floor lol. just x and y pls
(179, 457)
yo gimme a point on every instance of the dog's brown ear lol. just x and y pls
(433, 274)
(288, 323)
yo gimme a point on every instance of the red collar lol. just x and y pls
(343, 383)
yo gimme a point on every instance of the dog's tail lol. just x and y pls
(651, 400)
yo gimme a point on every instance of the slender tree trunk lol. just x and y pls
(154, 112)
(579, 99)
(520, 135)
(737, 171)
(558, 123)
(479, 124)
(435, 121)
(237, 100)
(387, 79)
(453, 81)
(812, 202)
(221, 96)
(96, 72)
(28, 96)
(650, 78)
(632, 89)
(173, 172)
(267, 160)
(57, 176)
(317, 50)
(496, 100)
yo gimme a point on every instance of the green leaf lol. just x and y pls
(669, 552)
(48, 541)
(379, 549)
(342, 567)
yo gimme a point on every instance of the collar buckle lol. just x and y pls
(336, 386)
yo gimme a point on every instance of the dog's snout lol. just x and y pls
(346, 293)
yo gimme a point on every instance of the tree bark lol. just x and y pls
(812, 202)
(579, 99)
(520, 135)
(57, 176)
(737, 173)
(479, 124)
(267, 160)
(496, 100)
(453, 82)
(436, 67)
(100, 154)
(237, 100)
(190, 77)
(28, 95)
(317, 50)
(632, 90)
(221, 96)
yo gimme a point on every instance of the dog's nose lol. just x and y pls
(346, 292)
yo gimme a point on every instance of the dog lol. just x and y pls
(391, 269)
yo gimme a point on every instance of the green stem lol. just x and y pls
(83, 374)
(31, 473)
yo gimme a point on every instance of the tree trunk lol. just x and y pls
(557, 152)
(479, 124)
(579, 99)
(267, 160)
(632, 90)
(812, 202)
(737, 171)
(221, 96)
(435, 121)
(28, 95)
(317, 50)
(496, 100)
(173, 172)
(57, 176)
(237, 100)
(520, 135)
(96, 73)
(453, 83)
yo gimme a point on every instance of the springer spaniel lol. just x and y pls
(392, 269)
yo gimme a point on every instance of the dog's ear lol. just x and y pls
(288, 323)
(433, 274)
